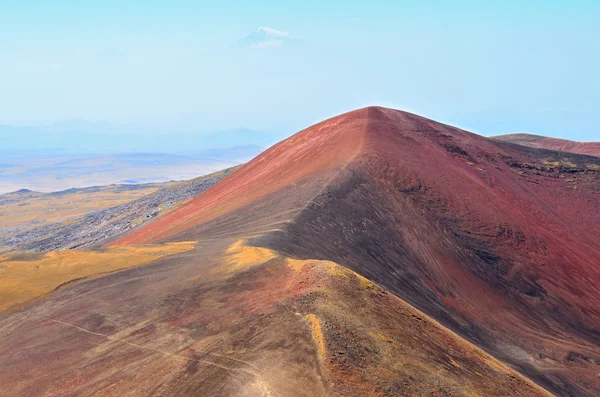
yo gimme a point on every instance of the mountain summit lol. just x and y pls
(374, 253)
(496, 241)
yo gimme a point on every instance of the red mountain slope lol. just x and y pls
(561, 145)
(498, 242)
(231, 320)
(282, 180)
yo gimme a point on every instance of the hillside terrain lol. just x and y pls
(27, 276)
(544, 142)
(76, 218)
(375, 253)
(25, 209)
(227, 319)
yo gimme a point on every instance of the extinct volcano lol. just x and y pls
(375, 253)
(500, 243)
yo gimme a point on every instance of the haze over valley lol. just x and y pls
(79, 154)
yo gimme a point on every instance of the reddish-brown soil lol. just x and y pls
(561, 145)
(293, 171)
(232, 320)
(499, 242)
(495, 244)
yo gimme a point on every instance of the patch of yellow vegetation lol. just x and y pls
(296, 264)
(334, 269)
(552, 163)
(594, 167)
(384, 338)
(331, 268)
(366, 283)
(240, 256)
(26, 276)
(317, 333)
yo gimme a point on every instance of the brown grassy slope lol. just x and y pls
(543, 142)
(18, 209)
(26, 276)
(91, 228)
(228, 320)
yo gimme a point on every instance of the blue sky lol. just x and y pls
(490, 67)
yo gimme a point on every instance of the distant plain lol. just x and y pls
(50, 172)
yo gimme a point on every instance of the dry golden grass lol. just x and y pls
(593, 167)
(332, 268)
(46, 208)
(240, 257)
(26, 276)
(552, 163)
(317, 333)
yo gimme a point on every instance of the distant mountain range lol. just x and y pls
(81, 136)
(46, 171)
(81, 153)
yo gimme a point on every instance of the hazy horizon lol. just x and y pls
(196, 67)
(219, 83)
(81, 136)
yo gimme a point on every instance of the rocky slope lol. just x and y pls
(375, 253)
(92, 228)
(497, 241)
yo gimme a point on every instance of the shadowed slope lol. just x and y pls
(544, 142)
(497, 241)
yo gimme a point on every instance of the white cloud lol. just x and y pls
(273, 32)
(266, 37)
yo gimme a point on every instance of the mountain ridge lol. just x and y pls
(438, 216)
(543, 142)
(303, 255)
